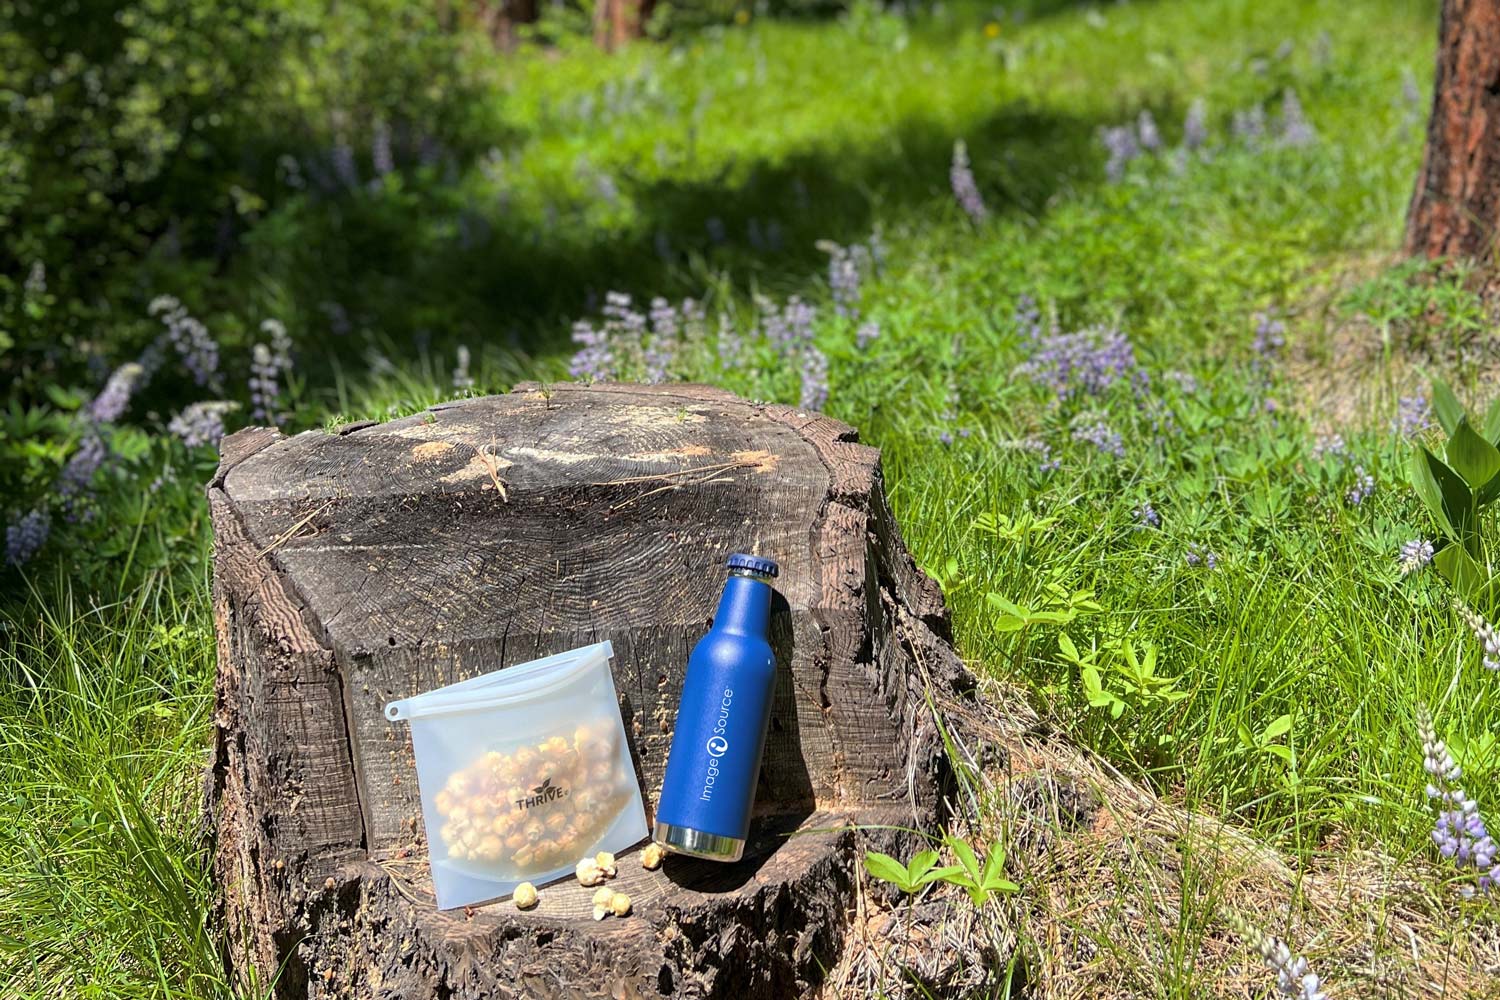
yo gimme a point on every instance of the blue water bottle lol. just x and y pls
(721, 722)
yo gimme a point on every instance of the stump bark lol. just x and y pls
(371, 564)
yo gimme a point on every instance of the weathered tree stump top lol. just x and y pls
(379, 562)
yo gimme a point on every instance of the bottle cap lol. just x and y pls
(755, 564)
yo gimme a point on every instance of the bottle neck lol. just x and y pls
(745, 608)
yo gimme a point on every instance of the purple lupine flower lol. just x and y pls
(847, 269)
(1087, 362)
(593, 359)
(965, 188)
(1326, 445)
(717, 234)
(36, 279)
(814, 379)
(198, 350)
(1459, 832)
(1488, 638)
(663, 246)
(1120, 142)
(1413, 416)
(1413, 555)
(1364, 486)
(1296, 130)
(1147, 132)
(110, 404)
(380, 149)
(201, 423)
(462, 380)
(1101, 436)
(1270, 335)
(1198, 555)
(1146, 516)
(343, 164)
(1411, 91)
(1186, 382)
(1249, 126)
(1195, 126)
(1028, 319)
(24, 538)
(1294, 978)
(866, 333)
(77, 476)
(730, 344)
(267, 364)
(945, 438)
(1044, 450)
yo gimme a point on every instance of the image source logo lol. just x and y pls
(717, 747)
(542, 794)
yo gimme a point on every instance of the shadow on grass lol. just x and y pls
(515, 281)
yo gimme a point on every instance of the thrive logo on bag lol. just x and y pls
(542, 794)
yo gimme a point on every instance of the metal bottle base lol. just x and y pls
(682, 840)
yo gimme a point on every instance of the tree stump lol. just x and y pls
(386, 559)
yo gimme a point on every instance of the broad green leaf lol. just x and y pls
(886, 868)
(1277, 727)
(1278, 750)
(920, 863)
(994, 863)
(1459, 569)
(1117, 709)
(1458, 499)
(1446, 405)
(1419, 472)
(1246, 737)
(944, 874)
(1487, 493)
(965, 855)
(1491, 428)
(1471, 456)
(1009, 607)
(1009, 623)
(1065, 644)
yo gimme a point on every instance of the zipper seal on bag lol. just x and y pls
(499, 687)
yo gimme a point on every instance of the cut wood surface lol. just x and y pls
(372, 564)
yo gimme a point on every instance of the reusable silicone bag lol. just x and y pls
(523, 772)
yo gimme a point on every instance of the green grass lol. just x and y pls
(104, 721)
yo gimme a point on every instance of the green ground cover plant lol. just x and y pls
(1069, 266)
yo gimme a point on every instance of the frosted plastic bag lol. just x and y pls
(523, 772)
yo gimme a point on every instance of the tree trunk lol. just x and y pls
(360, 567)
(1456, 207)
(619, 21)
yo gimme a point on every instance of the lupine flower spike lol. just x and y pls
(1459, 833)
(1484, 632)
(965, 189)
(1414, 555)
(1293, 976)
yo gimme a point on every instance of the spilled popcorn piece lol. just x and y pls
(589, 873)
(652, 857)
(524, 896)
(607, 901)
(606, 863)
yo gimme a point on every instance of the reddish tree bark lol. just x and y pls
(1455, 210)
